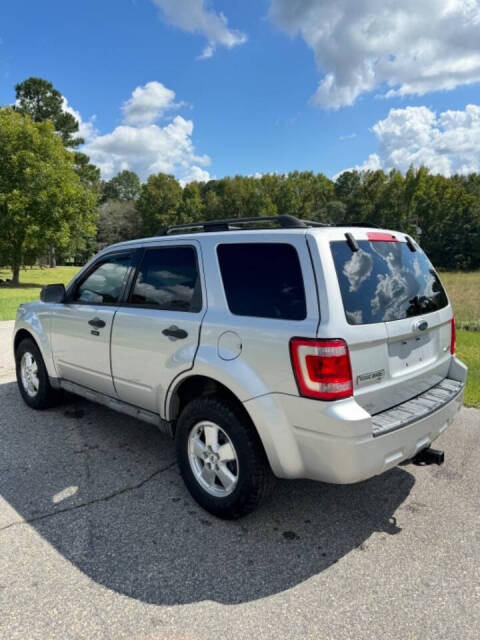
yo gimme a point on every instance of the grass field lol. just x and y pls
(463, 289)
(31, 281)
(468, 350)
(464, 292)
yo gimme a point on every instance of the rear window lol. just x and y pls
(263, 280)
(385, 281)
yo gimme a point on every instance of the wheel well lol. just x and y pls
(21, 335)
(197, 386)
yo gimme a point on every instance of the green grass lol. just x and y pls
(31, 281)
(463, 289)
(464, 292)
(468, 350)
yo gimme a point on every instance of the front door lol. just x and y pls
(156, 332)
(81, 327)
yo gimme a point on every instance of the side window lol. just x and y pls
(168, 278)
(263, 280)
(104, 285)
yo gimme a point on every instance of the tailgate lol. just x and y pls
(398, 317)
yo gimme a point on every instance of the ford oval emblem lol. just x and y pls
(421, 325)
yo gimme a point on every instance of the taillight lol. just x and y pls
(453, 338)
(322, 368)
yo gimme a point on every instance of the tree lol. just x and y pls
(304, 194)
(334, 212)
(193, 206)
(43, 202)
(88, 173)
(117, 221)
(41, 101)
(347, 189)
(124, 186)
(160, 203)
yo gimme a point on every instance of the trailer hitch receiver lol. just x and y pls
(429, 456)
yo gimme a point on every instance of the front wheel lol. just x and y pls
(32, 377)
(221, 458)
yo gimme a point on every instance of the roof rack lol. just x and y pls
(233, 224)
(284, 221)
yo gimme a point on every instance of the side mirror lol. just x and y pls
(53, 293)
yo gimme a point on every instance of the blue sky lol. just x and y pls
(378, 86)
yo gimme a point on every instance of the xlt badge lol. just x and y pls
(371, 376)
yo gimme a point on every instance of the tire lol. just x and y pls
(249, 467)
(32, 377)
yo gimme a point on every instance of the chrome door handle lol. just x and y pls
(96, 322)
(175, 332)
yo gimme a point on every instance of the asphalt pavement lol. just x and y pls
(99, 539)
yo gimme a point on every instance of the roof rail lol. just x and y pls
(232, 224)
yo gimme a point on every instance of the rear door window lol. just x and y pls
(385, 281)
(168, 279)
(263, 280)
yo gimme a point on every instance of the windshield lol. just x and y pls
(385, 281)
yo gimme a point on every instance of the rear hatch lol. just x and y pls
(396, 315)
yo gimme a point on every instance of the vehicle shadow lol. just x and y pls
(105, 492)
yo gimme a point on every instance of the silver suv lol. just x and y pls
(303, 351)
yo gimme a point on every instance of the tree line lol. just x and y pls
(53, 201)
(443, 214)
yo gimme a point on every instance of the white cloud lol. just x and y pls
(194, 16)
(148, 103)
(358, 268)
(149, 149)
(86, 129)
(144, 146)
(410, 47)
(446, 143)
(354, 317)
(195, 174)
(372, 163)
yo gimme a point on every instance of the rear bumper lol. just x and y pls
(337, 442)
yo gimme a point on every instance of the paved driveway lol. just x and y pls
(99, 539)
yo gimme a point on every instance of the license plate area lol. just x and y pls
(410, 354)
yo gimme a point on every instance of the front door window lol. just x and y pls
(104, 285)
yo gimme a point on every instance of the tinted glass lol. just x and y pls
(104, 285)
(168, 279)
(385, 281)
(263, 280)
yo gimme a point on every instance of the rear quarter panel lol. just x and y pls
(262, 362)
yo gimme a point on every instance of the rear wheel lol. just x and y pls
(32, 377)
(221, 459)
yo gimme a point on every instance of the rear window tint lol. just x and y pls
(263, 280)
(385, 281)
(168, 279)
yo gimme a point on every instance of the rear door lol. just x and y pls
(398, 318)
(156, 332)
